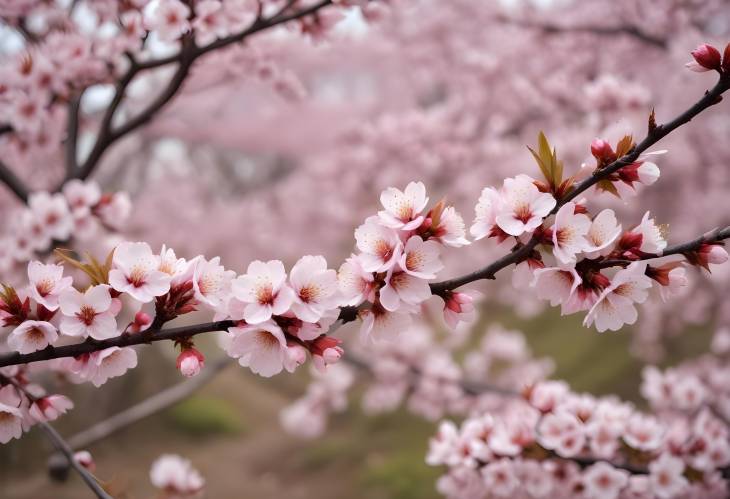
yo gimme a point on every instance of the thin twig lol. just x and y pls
(63, 447)
(16, 186)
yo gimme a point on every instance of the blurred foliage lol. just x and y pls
(204, 416)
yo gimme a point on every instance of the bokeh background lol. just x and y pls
(280, 148)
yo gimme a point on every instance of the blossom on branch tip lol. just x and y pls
(603, 233)
(486, 211)
(355, 284)
(706, 58)
(421, 258)
(459, 307)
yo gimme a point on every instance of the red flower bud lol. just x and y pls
(726, 58)
(190, 362)
(602, 151)
(707, 56)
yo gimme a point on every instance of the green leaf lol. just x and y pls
(547, 160)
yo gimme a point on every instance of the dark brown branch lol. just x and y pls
(187, 55)
(657, 133)
(72, 133)
(17, 186)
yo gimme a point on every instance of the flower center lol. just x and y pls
(523, 213)
(265, 294)
(137, 276)
(86, 315)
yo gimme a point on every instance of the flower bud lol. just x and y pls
(83, 457)
(141, 322)
(602, 151)
(707, 57)
(715, 253)
(190, 362)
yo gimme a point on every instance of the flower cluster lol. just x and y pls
(23, 407)
(576, 249)
(557, 443)
(399, 254)
(81, 211)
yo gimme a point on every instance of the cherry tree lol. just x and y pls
(82, 313)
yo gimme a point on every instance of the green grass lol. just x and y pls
(204, 416)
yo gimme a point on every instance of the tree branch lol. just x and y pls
(185, 58)
(58, 466)
(72, 133)
(63, 447)
(17, 186)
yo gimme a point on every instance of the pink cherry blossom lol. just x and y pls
(569, 233)
(450, 230)
(644, 433)
(486, 211)
(52, 211)
(109, 363)
(264, 291)
(379, 324)
(11, 417)
(523, 206)
(355, 284)
(558, 285)
(88, 314)
(81, 196)
(561, 432)
(172, 473)
(211, 281)
(47, 283)
(666, 476)
(652, 238)
(500, 477)
(403, 208)
(380, 246)
(32, 336)
(421, 258)
(615, 306)
(603, 233)
(167, 18)
(210, 21)
(315, 288)
(603, 481)
(135, 271)
(459, 307)
(50, 407)
(400, 286)
(261, 347)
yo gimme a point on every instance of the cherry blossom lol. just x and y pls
(315, 288)
(615, 306)
(569, 233)
(523, 206)
(603, 481)
(53, 213)
(172, 473)
(261, 347)
(420, 258)
(87, 314)
(167, 18)
(403, 208)
(666, 476)
(355, 284)
(211, 281)
(47, 283)
(381, 247)
(135, 271)
(50, 407)
(32, 336)
(11, 417)
(264, 291)
(487, 209)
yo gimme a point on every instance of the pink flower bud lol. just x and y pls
(141, 322)
(190, 362)
(716, 254)
(83, 457)
(707, 56)
(602, 150)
